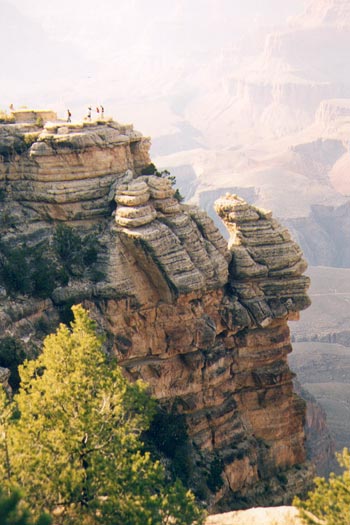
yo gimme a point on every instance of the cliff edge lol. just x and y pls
(203, 322)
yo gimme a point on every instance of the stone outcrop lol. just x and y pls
(68, 171)
(258, 516)
(33, 116)
(266, 266)
(180, 244)
(205, 324)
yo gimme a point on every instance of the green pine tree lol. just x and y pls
(71, 438)
(329, 502)
(14, 512)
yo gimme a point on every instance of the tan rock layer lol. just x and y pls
(267, 266)
(176, 243)
(69, 175)
(234, 387)
(222, 356)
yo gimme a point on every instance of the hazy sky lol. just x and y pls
(133, 18)
(60, 53)
(81, 11)
(97, 26)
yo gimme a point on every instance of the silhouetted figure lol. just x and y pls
(69, 116)
(97, 110)
(102, 111)
(89, 113)
(12, 107)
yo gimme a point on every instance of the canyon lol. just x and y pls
(202, 321)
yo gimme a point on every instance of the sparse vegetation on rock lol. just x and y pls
(28, 270)
(38, 270)
(74, 251)
(165, 174)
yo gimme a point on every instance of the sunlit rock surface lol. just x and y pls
(257, 516)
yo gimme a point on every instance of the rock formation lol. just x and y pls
(69, 169)
(258, 516)
(205, 324)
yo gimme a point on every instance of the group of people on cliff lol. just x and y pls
(100, 110)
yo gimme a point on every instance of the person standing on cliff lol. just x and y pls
(69, 116)
(102, 112)
(89, 113)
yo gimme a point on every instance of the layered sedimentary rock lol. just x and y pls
(205, 324)
(68, 171)
(181, 244)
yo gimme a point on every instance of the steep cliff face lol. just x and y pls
(205, 324)
(320, 443)
(325, 235)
